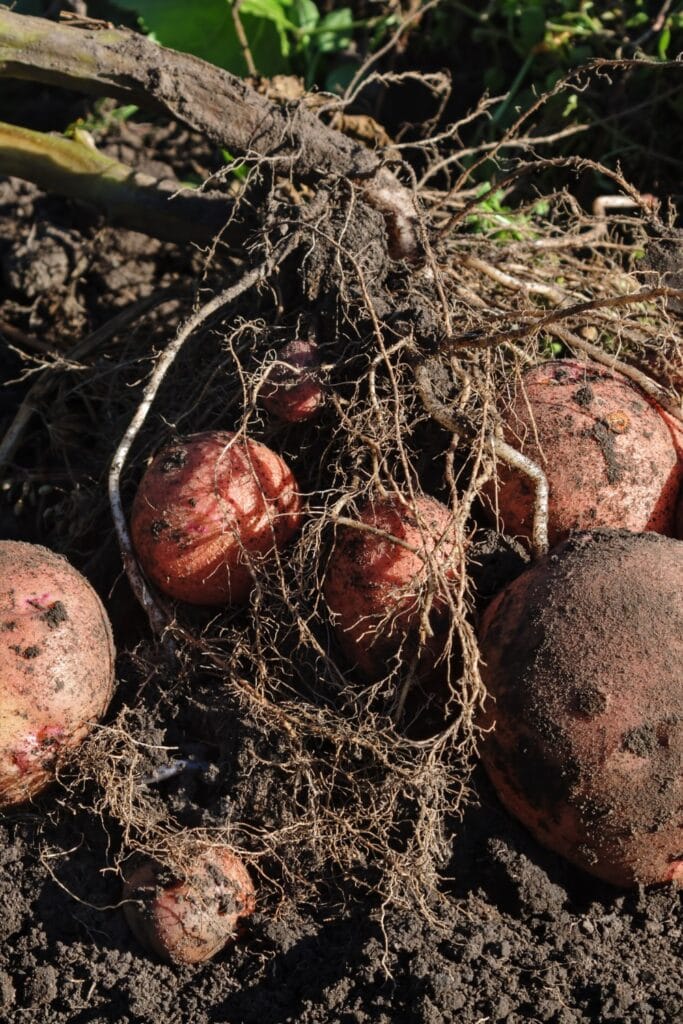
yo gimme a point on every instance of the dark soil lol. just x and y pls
(516, 934)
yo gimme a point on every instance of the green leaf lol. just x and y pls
(305, 15)
(207, 30)
(334, 31)
(663, 43)
(531, 27)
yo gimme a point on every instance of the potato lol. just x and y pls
(186, 921)
(207, 509)
(583, 662)
(294, 393)
(607, 453)
(56, 665)
(373, 586)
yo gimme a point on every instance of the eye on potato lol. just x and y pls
(56, 665)
(189, 920)
(207, 510)
(583, 662)
(374, 586)
(294, 392)
(608, 455)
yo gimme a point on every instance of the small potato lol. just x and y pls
(56, 665)
(607, 453)
(294, 393)
(583, 663)
(189, 920)
(207, 509)
(374, 587)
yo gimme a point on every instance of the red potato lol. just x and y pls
(56, 665)
(373, 586)
(583, 657)
(189, 920)
(294, 393)
(607, 453)
(207, 510)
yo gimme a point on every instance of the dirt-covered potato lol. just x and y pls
(375, 587)
(189, 920)
(583, 661)
(207, 510)
(607, 453)
(56, 665)
(293, 392)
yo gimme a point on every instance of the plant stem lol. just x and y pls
(127, 197)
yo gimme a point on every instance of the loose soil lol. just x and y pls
(514, 934)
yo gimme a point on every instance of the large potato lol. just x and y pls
(191, 919)
(583, 661)
(56, 665)
(608, 455)
(375, 587)
(207, 509)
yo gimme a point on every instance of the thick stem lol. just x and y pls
(127, 197)
(115, 62)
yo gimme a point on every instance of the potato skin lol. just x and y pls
(583, 656)
(188, 921)
(207, 508)
(372, 586)
(296, 394)
(56, 665)
(607, 453)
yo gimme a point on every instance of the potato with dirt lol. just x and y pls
(293, 390)
(56, 666)
(607, 453)
(188, 920)
(209, 510)
(379, 575)
(583, 741)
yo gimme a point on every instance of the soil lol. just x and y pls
(514, 933)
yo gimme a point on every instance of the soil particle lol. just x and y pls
(603, 435)
(56, 614)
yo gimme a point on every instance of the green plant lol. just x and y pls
(492, 217)
(265, 37)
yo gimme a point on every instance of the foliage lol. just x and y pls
(283, 36)
(529, 44)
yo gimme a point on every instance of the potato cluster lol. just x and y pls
(583, 653)
(582, 729)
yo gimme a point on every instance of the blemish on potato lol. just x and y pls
(174, 459)
(56, 614)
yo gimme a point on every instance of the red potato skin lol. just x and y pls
(207, 509)
(584, 743)
(295, 393)
(189, 921)
(56, 666)
(607, 453)
(372, 585)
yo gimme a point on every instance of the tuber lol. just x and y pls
(583, 727)
(608, 455)
(56, 665)
(207, 510)
(375, 588)
(293, 391)
(188, 920)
